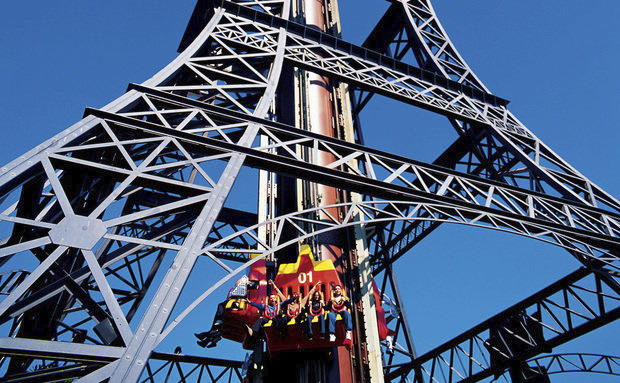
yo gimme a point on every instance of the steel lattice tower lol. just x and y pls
(117, 210)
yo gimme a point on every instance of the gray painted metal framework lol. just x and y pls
(99, 207)
(563, 363)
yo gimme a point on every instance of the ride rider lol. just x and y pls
(339, 304)
(315, 309)
(268, 312)
(210, 338)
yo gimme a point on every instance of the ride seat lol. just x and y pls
(299, 320)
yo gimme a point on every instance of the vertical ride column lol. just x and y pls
(321, 120)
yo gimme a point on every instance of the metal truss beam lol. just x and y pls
(328, 55)
(403, 178)
(182, 368)
(411, 26)
(571, 362)
(61, 361)
(147, 177)
(429, 42)
(374, 72)
(575, 305)
(398, 170)
(52, 373)
(59, 350)
(228, 218)
(130, 366)
(9, 280)
(390, 36)
(91, 159)
(400, 348)
(204, 10)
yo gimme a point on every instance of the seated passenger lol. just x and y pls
(339, 304)
(256, 333)
(293, 309)
(210, 338)
(316, 310)
(267, 312)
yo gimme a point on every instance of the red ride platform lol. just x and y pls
(298, 277)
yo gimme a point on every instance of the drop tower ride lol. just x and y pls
(104, 224)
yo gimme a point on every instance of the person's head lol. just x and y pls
(273, 299)
(295, 297)
(316, 296)
(337, 291)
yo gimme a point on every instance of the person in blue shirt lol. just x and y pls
(268, 312)
(256, 333)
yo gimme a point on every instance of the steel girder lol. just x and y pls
(571, 362)
(130, 366)
(136, 180)
(304, 220)
(111, 262)
(306, 225)
(393, 177)
(155, 198)
(57, 362)
(576, 304)
(411, 28)
(400, 348)
(9, 280)
(433, 50)
(183, 368)
(357, 66)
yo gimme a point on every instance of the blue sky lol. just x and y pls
(555, 60)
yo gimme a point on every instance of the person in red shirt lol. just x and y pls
(210, 338)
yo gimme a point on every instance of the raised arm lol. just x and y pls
(282, 297)
(305, 299)
(257, 305)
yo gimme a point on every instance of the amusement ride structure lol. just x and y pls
(103, 225)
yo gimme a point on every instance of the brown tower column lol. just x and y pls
(321, 120)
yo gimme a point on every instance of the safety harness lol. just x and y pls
(316, 313)
(271, 311)
(339, 307)
(293, 314)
